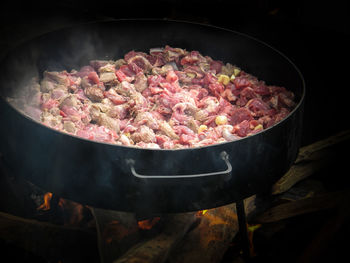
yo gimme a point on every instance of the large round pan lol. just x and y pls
(146, 180)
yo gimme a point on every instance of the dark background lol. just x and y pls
(312, 34)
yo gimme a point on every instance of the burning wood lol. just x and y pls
(209, 240)
(157, 248)
(148, 224)
(201, 212)
(251, 229)
(116, 232)
(73, 212)
(46, 205)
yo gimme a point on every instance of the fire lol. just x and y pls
(46, 205)
(251, 229)
(201, 212)
(148, 224)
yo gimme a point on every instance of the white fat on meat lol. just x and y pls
(148, 145)
(125, 88)
(108, 67)
(108, 77)
(125, 140)
(211, 105)
(227, 134)
(58, 93)
(50, 120)
(167, 130)
(70, 100)
(108, 122)
(146, 118)
(119, 111)
(94, 93)
(69, 126)
(138, 101)
(140, 82)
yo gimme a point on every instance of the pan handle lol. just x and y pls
(224, 156)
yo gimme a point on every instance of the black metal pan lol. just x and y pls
(146, 180)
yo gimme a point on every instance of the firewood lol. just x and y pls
(156, 249)
(208, 242)
(297, 173)
(116, 233)
(311, 158)
(303, 206)
(47, 240)
(305, 189)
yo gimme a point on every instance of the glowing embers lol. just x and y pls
(251, 229)
(63, 211)
(46, 205)
(116, 231)
(148, 224)
(201, 212)
(73, 213)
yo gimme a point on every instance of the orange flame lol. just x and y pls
(148, 224)
(251, 229)
(46, 205)
(201, 212)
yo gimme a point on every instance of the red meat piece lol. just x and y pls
(261, 89)
(114, 97)
(216, 66)
(122, 76)
(241, 82)
(239, 115)
(248, 93)
(49, 104)
(84, 71)
(242, 129)
(191, 58)
(256, 105)
(94, 77)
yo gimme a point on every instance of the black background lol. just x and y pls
(312, 34)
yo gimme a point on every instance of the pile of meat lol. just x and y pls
(170, 98)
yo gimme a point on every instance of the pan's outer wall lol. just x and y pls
(96, 174)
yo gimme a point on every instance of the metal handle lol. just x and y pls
(224, 156)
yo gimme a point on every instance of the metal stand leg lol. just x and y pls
(242, 224)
